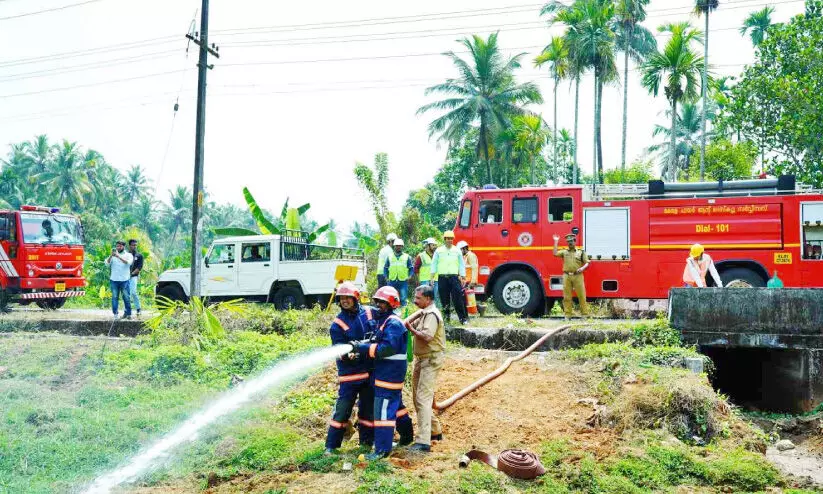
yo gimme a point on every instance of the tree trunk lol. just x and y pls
(673, 152)
(576, 114)
(598, 131)
(705, 98)
(485, 149)
(625, 106)
(554, 139)
(594, 133)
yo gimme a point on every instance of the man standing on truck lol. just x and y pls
(398, 269)
(352, 324)
(383, 256)
(575, 262)
(697, 265)
(429, 355)
(136, 267)
(451, 275)
(120, 263)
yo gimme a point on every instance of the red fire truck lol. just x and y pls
(638, 237)
(41, 257)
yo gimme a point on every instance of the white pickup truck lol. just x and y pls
(284, 270)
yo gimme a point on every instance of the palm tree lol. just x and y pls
(66, 179)
(485, 94)
(758, 23)
(566, 148)
(529, 139)
(591, 43)
(177, 213)
(135, 183)
(636, 42)
(687, 137)
(556, 54)
(705, 7)
(676, 69)
(39, 154)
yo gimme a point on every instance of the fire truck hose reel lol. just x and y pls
(440, 406)
(515, 463)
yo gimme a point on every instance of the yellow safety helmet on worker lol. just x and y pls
(696, 251)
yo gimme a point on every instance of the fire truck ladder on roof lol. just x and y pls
(657, 189)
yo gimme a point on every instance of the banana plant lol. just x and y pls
(289, 218)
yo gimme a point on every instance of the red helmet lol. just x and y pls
(347, 289)
(389, 295)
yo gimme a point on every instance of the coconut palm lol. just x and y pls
(636, 42)
(757, 24)
(705, 7)
(39, 154)
(485, 95)
(135, 184)
(566, 151)
(177, 213)
(687, 137)
(555, 54)
(531, 136)
(676, 69)
(66, 180)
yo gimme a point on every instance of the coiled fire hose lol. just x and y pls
(515, 463)
(500, 370)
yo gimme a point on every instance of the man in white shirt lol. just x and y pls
(120, 263)
(382, 257)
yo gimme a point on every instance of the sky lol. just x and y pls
(301, 91)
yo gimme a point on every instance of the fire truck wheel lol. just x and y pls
(741, 278)
(51, 304)
(517, 292)
(288, 297)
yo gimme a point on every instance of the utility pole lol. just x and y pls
(202, 40)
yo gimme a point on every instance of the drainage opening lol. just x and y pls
(775, 380)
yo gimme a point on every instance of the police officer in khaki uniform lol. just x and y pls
(575, 262)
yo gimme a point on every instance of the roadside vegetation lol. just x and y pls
(76, 407)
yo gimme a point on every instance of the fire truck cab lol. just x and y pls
(41, 257)
(638, 237)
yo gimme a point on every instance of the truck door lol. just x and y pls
(256, 272)
(492, 227)
(561, 215)
(525, 221)
(220, 270)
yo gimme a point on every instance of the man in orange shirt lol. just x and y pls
(697, 264)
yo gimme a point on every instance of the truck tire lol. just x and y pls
(741, 278)
(288, 297)
(51, 303)
(172, 292)
(518, 292)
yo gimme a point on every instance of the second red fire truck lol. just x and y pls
(638, 237)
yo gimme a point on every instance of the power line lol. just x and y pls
(45, 11)
(91, 51)
(89, 66)
(92, 84)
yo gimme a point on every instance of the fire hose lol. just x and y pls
(499, 371)
(515, 463)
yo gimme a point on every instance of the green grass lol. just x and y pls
(72, 408)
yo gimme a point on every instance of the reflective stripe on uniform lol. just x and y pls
(396, 356)
(353, 377)
(401, 413)
(387, 385)
(337, 425)
(372, 350)
(388, 319)
(340, 323)
(399, 267)
(365, 423)
(384, 423)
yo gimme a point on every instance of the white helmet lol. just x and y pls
(429, 240)
(462, 244)
(390, 237)
(399, 241)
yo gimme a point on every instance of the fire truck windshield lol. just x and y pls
(42, 228)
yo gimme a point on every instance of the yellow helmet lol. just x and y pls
(696, 250)
(448, 234)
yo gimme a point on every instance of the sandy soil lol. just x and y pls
(530, 404)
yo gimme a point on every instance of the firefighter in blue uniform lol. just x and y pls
(387, 350)
(353, 324)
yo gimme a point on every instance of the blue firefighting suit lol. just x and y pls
(388, 352)
(354, 378)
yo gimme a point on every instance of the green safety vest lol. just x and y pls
(425, 267)
(448, 261)
(399, 267)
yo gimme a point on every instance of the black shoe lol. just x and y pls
(420, 448)
(405, 441)
(437, 437)
(464, 322)
(376, 456)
